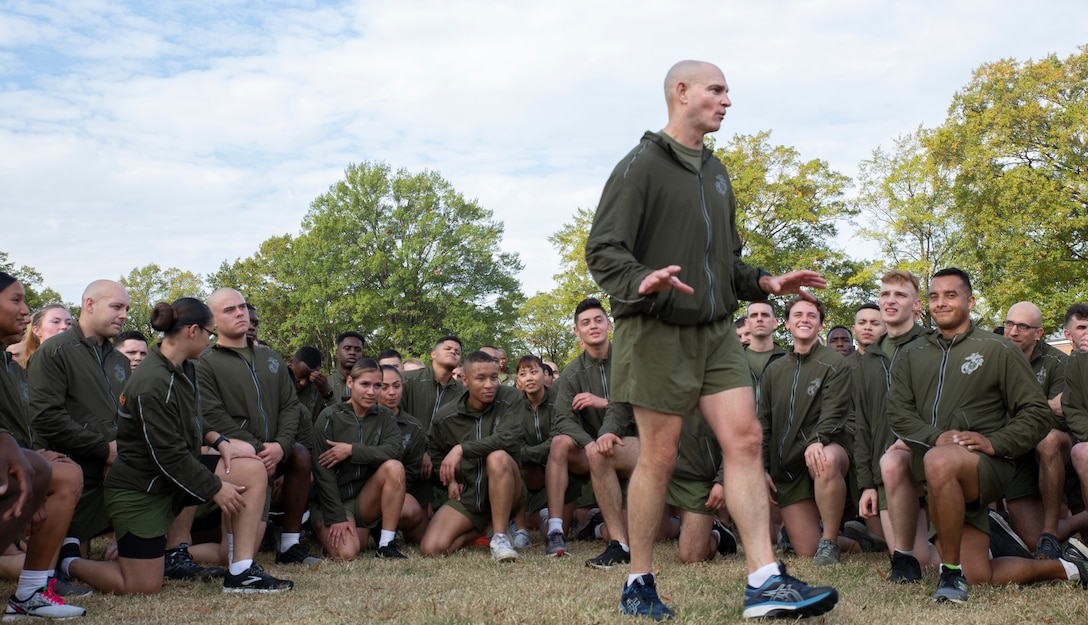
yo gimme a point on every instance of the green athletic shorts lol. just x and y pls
(994, 477)
(667, 368)
(795, 490)
(689, 495)
(1025, 479)
(481, 520)
(144, 515)
(90, 517)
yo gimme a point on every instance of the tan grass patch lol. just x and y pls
(468, 588)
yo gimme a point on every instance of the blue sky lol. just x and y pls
(186, 133)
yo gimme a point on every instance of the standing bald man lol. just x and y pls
(664, 245)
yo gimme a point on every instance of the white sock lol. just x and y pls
(625, 547)
(386, 538)
(239, 567)
(288, 540)
(230, 549)
(762, 574)
(555, 525)
(597, 531)
(634, 576)
(31, 582)
(905, 552)
(1071, 571)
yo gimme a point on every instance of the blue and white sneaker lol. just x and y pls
(789, 597)
(952, 587)
(640, 599)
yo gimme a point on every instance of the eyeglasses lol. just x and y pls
(211, 333)
(1022, 327)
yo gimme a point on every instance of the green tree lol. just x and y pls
(401, 257)
(907, 208)
(788, 211)
(150, 284)
(37, 295)
(1015, 138)
(546, 326)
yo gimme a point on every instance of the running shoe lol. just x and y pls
(389, 552)
(905, 569)
(952, 587)
(727, 540)
(43, 604)
(556, 546)
(179, 565)
(501, 550)
(297, 554)
(827, 553)
(640, 599)
(612, 555)
(254, 579)
(1004, 542)
(785, 596)
(1048, 548)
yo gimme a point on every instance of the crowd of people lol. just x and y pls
(951, 447)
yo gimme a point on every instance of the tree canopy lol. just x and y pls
(402, 258)
(149, 285)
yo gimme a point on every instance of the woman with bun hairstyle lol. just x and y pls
(160, 469)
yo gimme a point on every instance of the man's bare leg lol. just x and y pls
(732, 416)
(659, 435)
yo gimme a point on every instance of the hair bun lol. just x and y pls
(163, 317)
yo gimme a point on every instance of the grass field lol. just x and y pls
(468, 587)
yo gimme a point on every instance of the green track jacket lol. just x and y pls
(478, 433)
(74, 389)
(375, 438)
(872, 378)
(805, 399)
(977, 381)
(161, 432)
(254, 403)
(655, 211)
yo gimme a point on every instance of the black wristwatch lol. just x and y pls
(219, 441)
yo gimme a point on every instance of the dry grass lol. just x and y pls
(469, 588)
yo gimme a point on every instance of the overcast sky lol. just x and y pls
(186, 133)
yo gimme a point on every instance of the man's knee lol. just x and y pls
(562, 445)
(744, 438)
(67, 480)
(392, 471)
(299, 462)
(944, 464)
(895, 467)
(1056, 444)
(499, 462)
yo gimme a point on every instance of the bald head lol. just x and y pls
(1026, 310)
(100, 288)
(220, 295)
(231, 316)
(1024, 326)
(697, 96)
(105, 309)
(686, 72)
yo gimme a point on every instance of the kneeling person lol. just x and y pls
(803, 405)
(474, 441)
(357, 468)
(159, 468)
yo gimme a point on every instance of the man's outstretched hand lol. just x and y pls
(792, 282)
(662, 280)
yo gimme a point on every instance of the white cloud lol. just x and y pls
(187, 134)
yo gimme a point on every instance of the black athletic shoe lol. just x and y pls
(727, 541)
(905, 569)
(389, 552)
(1049, 547)
(179, 565)
(254, 579)
(586, 531)
(952, 587)
(612, 555)
(1004, 542)
(297, 554)
(858, 532)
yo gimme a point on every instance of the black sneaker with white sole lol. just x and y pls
(254, 579)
